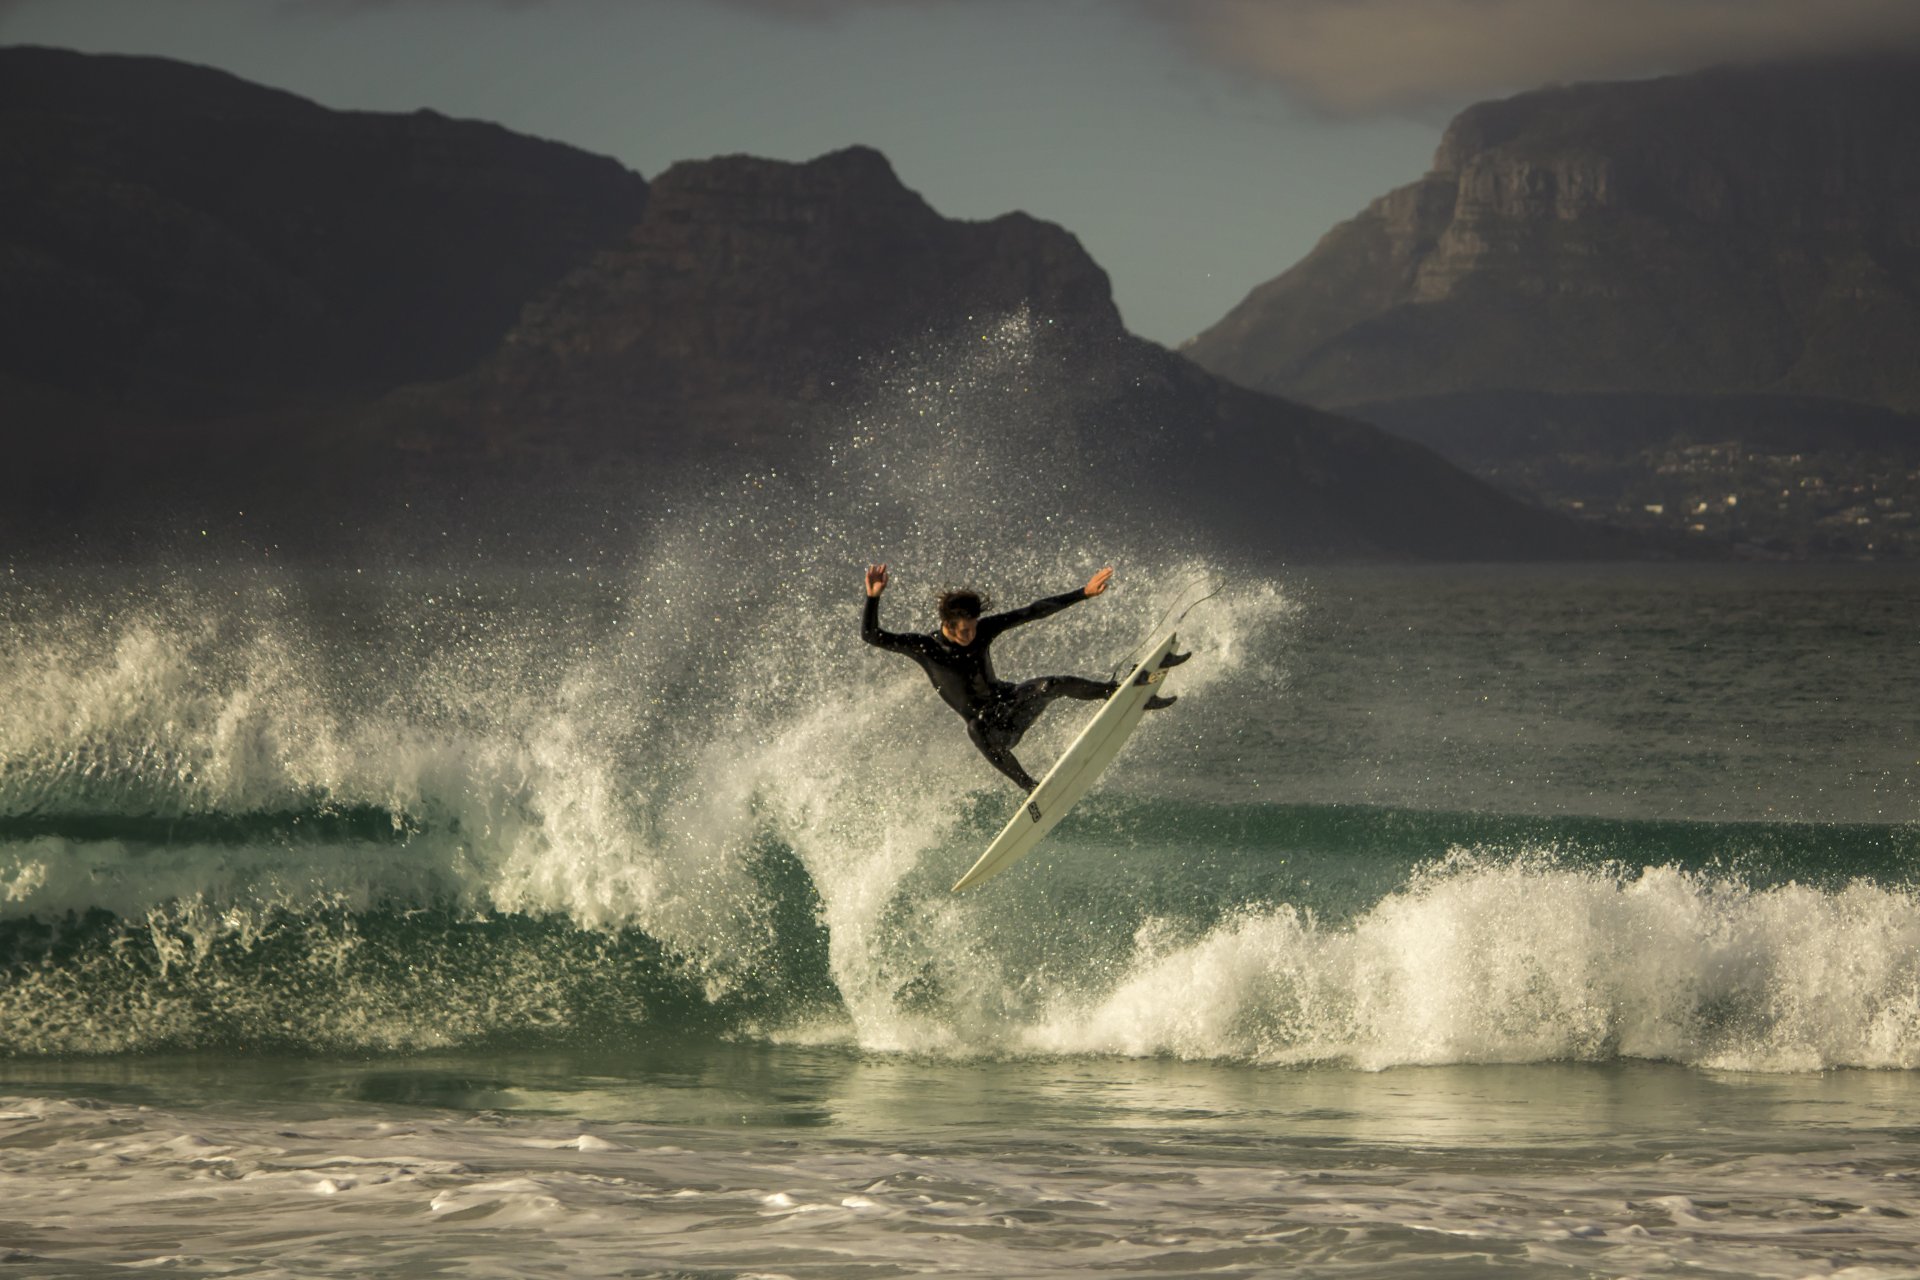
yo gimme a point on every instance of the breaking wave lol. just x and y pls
(668, 794)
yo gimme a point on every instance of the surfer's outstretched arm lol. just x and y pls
(1045, 607)
(870, 616)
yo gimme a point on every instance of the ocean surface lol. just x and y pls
(593, 920)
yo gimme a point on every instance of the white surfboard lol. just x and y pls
(1075, 771)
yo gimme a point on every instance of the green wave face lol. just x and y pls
(332, 973)
(1269, 906)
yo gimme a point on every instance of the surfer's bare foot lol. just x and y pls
(1175, 659)
(1158, 703)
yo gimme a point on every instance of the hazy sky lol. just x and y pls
(1196, 147)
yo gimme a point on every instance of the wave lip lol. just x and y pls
(1483, 962)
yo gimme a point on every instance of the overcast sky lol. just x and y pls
(1196, 147)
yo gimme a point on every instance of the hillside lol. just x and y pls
(775, 314)
(1743, 230)
(235, 301)
(1740, 232)
(174, 240)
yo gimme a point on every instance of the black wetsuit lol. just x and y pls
(997, 713)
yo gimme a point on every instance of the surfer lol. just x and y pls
(956, 659)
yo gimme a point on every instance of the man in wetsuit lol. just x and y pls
(957, 660)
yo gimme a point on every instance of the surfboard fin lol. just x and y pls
(1160, 703)
(1174, 659)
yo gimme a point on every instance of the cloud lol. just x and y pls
(1363, 57)
(1360, 56)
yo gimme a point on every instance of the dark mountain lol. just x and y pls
(177, 242)
(1740, 230)
(1587, 268)
(235, 299)
(751, 288)
(760, 307)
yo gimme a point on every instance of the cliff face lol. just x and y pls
(1747, 230)
(748, 291)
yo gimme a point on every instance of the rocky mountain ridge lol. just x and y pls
(1728, 260)
(1741, 230)
(752, 289)
(739, 314)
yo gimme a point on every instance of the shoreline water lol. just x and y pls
(756, 1160)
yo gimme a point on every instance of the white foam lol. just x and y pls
(1139, 1182)
(1524, 961)
(587, 1142)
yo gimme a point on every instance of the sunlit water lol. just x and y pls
(757, 1160)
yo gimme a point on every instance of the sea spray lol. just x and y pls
(258, 805)
(1523, 960)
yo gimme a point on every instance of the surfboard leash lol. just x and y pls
(1161, 624)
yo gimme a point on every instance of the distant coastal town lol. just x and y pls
(1788, 505)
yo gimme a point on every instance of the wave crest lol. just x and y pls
(1525, 961)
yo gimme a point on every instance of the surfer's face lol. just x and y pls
(960, 630)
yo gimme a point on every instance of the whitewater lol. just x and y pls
(492, 915)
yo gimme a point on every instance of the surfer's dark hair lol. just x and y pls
(960, 602)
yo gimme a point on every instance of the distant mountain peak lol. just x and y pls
(753, 285)
(1747, 229)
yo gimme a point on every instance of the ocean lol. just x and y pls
(409, 918)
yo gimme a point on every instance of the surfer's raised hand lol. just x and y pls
(1095, 585)
(877, 579)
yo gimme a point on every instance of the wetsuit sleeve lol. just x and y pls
(870, 630)
(994, 624)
